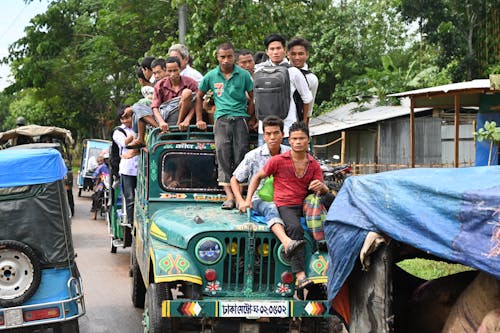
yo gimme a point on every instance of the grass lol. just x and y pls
(431, 269)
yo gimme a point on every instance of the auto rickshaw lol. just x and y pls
(45, 134)
(91, 148)
(41, 287)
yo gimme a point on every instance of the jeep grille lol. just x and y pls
(244, 271)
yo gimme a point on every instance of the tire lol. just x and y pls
(138, 287)
(70, 326)
(113, 248)
(71, 202)
(322, 325)
(153, 321)
(133, 259)
(20, 273)
(127, 236)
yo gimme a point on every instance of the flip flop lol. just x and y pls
(304, 283)
(228, 204)
(293, 246)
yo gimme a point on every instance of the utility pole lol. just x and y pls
(182, 23)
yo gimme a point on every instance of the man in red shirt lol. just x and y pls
(173, 102)
(178, 91)
(296, 174)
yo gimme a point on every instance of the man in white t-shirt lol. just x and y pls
(298, 54)
(128, 166)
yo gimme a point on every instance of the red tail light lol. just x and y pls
(38, 314)
(287, 277)
(210, 275)
(1, 320)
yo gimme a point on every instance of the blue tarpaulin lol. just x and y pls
(451, 213)
(20, 167)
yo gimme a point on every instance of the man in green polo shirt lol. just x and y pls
(231, 85)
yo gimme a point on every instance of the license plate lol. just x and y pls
(253, 309)
(13, 317)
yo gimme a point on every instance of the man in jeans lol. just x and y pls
(252, 163)
(128, 166)
(296, 173)
(230, 85)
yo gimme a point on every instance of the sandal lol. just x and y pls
(228, 204)
(293, 246)
(304, 284)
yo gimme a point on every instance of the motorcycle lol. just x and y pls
(334, 176)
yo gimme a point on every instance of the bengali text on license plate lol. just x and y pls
(253, 309)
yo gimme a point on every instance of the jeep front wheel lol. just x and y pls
(20, 273)
(153, 321)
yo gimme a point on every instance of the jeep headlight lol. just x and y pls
(209, 250)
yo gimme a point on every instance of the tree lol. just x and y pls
(490, 132)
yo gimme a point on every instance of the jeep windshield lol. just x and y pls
(188, 171)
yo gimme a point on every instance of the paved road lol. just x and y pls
(105, 275)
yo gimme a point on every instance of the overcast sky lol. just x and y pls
(14, 17)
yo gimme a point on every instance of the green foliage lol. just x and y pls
(76, 64)
(431, 269)
(490, 132)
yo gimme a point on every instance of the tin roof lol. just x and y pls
(444, 96)
(348, 116)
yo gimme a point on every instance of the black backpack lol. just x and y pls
(299, 103)
(114, 154)
(272, 91)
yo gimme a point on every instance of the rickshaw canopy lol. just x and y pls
(37, 130)
(20, 167)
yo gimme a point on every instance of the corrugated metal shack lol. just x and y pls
(378, 135)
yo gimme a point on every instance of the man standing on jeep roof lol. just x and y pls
(230, 85)
(276, 51)
(298, 54)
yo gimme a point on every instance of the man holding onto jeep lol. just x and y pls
(230, 85)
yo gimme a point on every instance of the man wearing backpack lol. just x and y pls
(127, 168)
(267, 100)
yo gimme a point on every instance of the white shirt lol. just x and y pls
(128, 166)
(297, 83)
(192, 73)
(313, 82)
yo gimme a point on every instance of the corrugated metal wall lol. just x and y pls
(395, 141)
(466, 150)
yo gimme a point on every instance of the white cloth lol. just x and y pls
(297, 82)
(128, 166)
(192, 73)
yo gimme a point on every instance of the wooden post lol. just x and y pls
(342, 149)
(412, 133)
(457, 129)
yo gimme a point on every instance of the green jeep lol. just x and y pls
(198, 267)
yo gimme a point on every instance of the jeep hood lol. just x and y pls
(182, 221)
